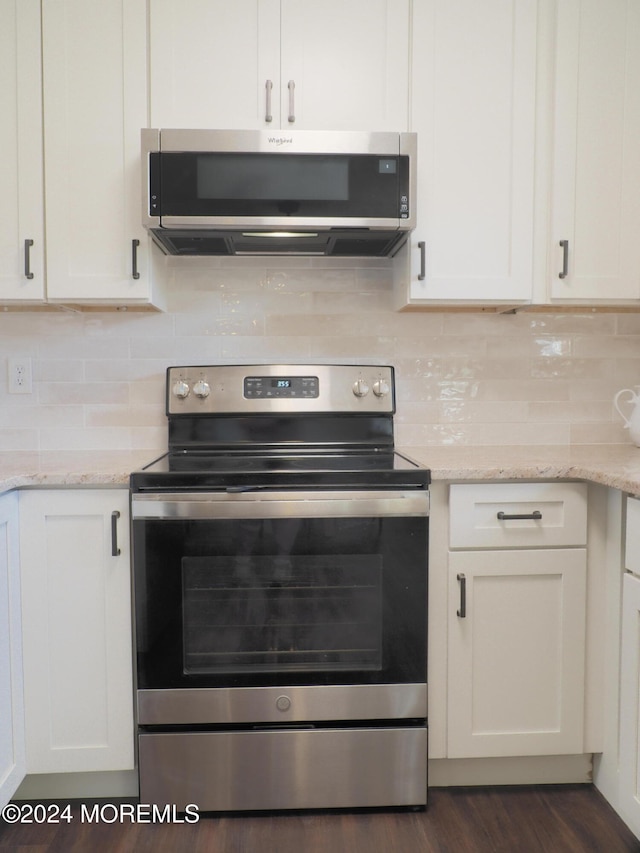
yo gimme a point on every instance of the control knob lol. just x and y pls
(360, 388)
(181, 389)
(381, 388)
(201, 389)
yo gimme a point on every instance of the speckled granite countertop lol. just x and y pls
(52, 470)
(617, 466)
(52, 479)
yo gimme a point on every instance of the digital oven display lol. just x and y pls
(290, 387)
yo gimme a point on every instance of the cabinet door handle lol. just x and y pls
(462, 612)
(536, 515)
(134, 259)
(269, 87)
(115, 551)
(423, 260)
(27, 259)
(564, 244)
(292, 100)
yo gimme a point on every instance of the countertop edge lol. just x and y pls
(63, 480)
(552, 472)
(615, 466)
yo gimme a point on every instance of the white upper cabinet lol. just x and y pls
(95, 103)
(305, 64)
(473, 107)
(348, 62)
(21, 200)
(211, 61)
(596, 153)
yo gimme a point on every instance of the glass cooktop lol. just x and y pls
(206, 470)
(256, 463)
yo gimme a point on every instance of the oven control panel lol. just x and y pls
(279, 387)
(289, 388)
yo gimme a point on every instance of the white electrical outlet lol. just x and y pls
(20, 376)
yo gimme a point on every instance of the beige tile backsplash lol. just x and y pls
(462, 378)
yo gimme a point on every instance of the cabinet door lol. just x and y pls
(76, 631)
(21, 199)
(516, 652)
(214, 64)
(94, 67)
(311, 64)
(473, 107)
(596, 169)
(12, 747)
(345, 65)
(630, 704)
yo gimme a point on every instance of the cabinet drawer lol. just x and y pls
(517, 515)
(632, 543)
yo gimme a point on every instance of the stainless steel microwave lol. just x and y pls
(217, 192)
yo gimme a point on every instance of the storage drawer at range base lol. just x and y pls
(517, 515)
(285, 769)
(632, 536)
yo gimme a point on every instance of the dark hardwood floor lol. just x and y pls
(537, 819)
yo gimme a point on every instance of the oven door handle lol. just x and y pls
(272, 504)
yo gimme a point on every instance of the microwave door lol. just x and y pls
(249, 190)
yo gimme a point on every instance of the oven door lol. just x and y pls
(263, 589)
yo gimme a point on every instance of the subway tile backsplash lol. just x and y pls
(462, 378)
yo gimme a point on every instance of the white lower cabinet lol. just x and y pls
(516, 617)
(630, 703)
(76, 606)
(629, 756)
(12, 747)
(516, 654)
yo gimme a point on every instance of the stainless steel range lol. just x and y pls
(280, 572)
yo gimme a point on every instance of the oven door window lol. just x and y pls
(255, 613)
(250, 602)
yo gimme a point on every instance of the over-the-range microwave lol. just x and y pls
(246, 192)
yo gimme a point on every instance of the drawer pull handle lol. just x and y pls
(269, 88)
(292, 101)
(27, 259)
(462, 612)
(564, 245)
(423, 260)
(115, 551)
(134, 259)
(536, 515)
